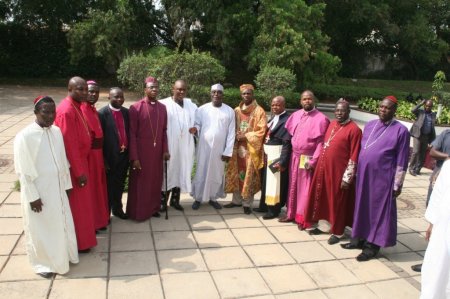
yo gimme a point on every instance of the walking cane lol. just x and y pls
(167, 197)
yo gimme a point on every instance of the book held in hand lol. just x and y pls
(303, 160)
(272, 164)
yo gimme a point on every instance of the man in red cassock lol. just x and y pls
(148, 148)
(96, 164)
(332, 193)
(77, 141)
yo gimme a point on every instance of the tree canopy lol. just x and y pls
(315, 39)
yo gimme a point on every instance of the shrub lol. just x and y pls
(403, 110)
(199, 70)
(355, 93)
(322, 69)
(133, 70)
(273, 80)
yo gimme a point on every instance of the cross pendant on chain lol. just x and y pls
(154, 144)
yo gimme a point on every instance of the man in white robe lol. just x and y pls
(215, 123)
(436, 263)
(180, 131)
(41, 164)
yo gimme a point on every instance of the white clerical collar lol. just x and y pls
(275, 120)
(113, 109)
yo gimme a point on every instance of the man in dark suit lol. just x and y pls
(115, 124)
(423, 132)
(277, 146)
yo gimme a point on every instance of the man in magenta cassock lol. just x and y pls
(307, 128)
(148, 149)
(77, 141)
(382, 165)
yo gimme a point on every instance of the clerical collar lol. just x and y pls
(273, 123)
(113, 109)
(387, 123)
(310, 111)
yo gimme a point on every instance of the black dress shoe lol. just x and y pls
(196, 205)
(412, 172)
(84, 250)
(45, 274)
(260, 210)
(354, 244)
(177, 206)
(417, 268)
(315, 231)
(269, 215)
(333, 240)
(215, 204)
(231, 205)
(157, 215)
(120, 214)
(247, 210)
(101, 230)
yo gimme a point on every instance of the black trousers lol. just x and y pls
(420, 146)
(115, 180)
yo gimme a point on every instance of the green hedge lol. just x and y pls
(355, 93)
(403, 110)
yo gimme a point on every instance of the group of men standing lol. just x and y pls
(300, 160)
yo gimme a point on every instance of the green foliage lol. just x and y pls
(336, 91)
(410, 37)
(16, 186)
(403, 110)
(322, 69)
(102, 34)
(273, 80)
(438, 86)
(133, 70)
(288, 41)
(197, 69)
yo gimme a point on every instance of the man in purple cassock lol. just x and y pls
(307, 128)
(147, 148)
(382, 165)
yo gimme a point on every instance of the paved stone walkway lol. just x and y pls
(204, 253)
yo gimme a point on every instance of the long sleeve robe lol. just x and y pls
(307, 130)
(243, 171)
(382, 165)
(148, 143)
(41, 164)
(337, 163)
(181, 143)
(77, 140)
(97, 167)
(216, 130)
(436, 263)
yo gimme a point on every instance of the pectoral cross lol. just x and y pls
(154, 144)
(122, 148)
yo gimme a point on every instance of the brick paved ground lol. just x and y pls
(204, 253)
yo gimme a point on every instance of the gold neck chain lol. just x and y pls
(151, 126)
(82, 119)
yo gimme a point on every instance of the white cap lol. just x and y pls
(217, 86)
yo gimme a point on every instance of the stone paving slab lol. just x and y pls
(205, 253)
